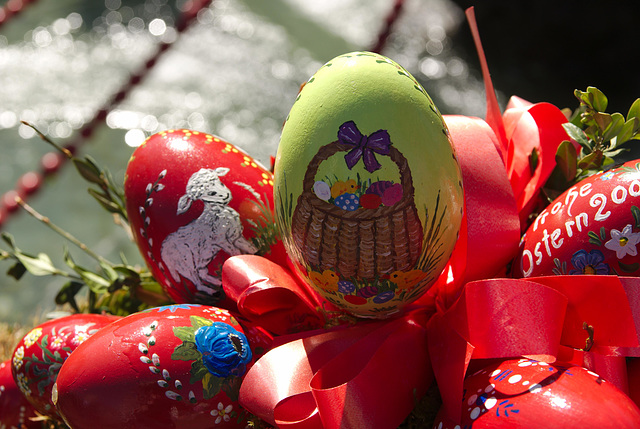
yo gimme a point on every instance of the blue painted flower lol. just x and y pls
(225, 351)
(589, 263)
(172, 308)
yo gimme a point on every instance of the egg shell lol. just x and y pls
(592, 228)
(15, 410)
(39, 355)
(149, 370)
(193, 200)
(524, 393)
(363, 118)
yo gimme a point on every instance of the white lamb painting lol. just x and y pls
(188, 251)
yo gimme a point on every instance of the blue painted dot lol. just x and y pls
(346, 287)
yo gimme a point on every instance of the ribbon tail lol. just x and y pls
(370, 161)
(352, 157)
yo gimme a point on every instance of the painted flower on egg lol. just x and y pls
(589, 263)
(219, 351)
(225, 351)
(623, 242)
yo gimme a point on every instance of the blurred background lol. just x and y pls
(235, 72)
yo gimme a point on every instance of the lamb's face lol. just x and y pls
(216, 192)
(206, 185)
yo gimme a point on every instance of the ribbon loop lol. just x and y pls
(365, 147)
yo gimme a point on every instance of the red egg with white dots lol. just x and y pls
(193, 200)
(177, 366)
(524, 393)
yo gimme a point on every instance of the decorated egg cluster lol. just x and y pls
(333, 289)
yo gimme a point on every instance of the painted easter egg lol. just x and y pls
(524, 393)
(177, 366)
(15, 410)
(368, 130)
(38, 357)
(592, 228)
(194, 200)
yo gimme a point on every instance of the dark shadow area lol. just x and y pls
(543, 50)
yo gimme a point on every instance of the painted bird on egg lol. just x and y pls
(194, 200)
(368, 189)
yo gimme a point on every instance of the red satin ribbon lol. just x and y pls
(541, 318)
(365, 376)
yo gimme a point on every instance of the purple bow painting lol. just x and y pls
(365, 147)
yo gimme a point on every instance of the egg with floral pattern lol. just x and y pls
(592, 228)
(194, 200)
(177, 366)
(38, 357)
(524, 393)
(15, 410)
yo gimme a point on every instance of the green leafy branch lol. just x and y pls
(109, 193)
(604, 139)
(116, 288)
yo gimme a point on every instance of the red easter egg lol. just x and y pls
(392, 195)
(177, 366)
(15, 410)
(193, 200)
(592, 228)
(38, 357)
(524, 393)
(370, 201)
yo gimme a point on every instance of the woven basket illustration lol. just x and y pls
(364, 243)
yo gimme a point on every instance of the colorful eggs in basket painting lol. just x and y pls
(592, 228)
(177, 366)
(524, 393)
(367, 186)
(193, 200)
(38, 357)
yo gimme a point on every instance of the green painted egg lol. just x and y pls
(368, 189)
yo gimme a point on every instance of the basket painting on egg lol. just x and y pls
(361, 240)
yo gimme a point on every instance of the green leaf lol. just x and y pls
(634, 110)
(567, 160)
(185, 333)
(67, 294)
(231, 387)
(17, 271)
(603, 120)
(38, 266)
(594, 239)
(198, 322)
(600, 101)
(105, 201)
(603, 233)
(635, 211)
(96, 283)
(211, 385)
(186, 351)
(534, 160)
(614, 128)
(88, 170)
(576, 133)
(628, 130)
(591, 161)
(629, 268)
(198, 371)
